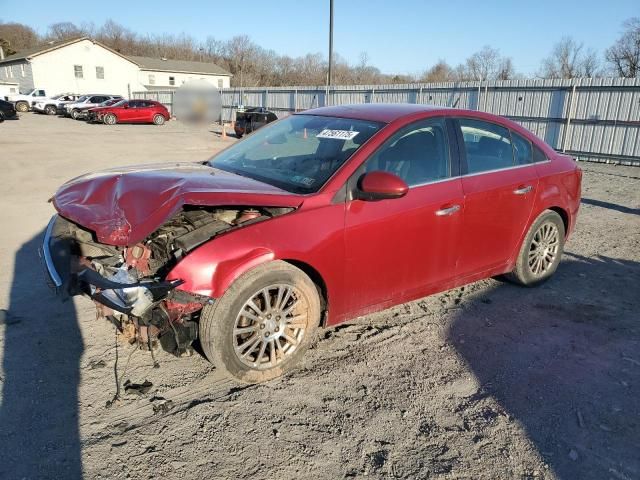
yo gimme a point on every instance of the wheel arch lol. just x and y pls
(564, 215)
(318, 281)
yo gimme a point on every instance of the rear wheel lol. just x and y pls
(263, 324)
(158, 119)
(541, 250)
(50, 110)
(1, 117)
(110, 119)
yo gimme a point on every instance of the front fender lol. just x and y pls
(206, 273)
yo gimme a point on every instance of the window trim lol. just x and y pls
(75, 72)
(97, 76)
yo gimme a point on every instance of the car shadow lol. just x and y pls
(39, 432)
(564, 362)
(611, 206)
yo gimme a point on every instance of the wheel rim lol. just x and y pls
(22, 107)
(110, 119)
(158, 120)
(544, 248)
(51, 110)
(270, 326)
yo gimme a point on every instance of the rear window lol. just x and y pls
(487, 145)
(539, 155)
(521, 149)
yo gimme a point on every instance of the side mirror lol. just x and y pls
(381, 185)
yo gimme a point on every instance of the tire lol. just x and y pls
(22, 107)
(158, 119)
(266, 330)
(541, 251)
(75, 113)
(109, 119)
(1, 117)
(50, 110)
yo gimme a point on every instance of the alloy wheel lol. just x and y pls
(270, 326)
(543, 249)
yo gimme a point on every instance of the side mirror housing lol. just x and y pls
(380, 185)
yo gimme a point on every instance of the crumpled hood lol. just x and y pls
(123, 206)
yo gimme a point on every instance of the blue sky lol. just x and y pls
(399, 36)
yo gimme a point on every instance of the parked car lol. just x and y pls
(7, 110)
(317, 218)
(250, 119)
(86, 113)
(133, 111)
(23, 101)
(53, 105)
(85, 102)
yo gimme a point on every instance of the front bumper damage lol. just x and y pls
(149, 309)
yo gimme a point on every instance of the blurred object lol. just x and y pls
(198, 102)
(250, 119)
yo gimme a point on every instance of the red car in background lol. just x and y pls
(317, 218)
(131, 111)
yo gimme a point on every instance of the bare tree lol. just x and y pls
(624, 55)
(16, 37)
(440, 72)
(569, 59)
(64, 31)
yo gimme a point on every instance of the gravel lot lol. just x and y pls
(485, 381)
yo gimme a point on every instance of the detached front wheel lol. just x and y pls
(261, 327)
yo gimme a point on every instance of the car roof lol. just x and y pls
(375, 112)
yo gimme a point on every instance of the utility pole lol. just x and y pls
(329, 76)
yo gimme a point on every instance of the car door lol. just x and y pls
(499, 194)
(396, 248)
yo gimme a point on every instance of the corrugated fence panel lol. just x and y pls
(593, 119)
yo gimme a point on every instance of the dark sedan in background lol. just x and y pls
(7, 110)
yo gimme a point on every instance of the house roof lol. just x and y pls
(178, 66)
(50, 46)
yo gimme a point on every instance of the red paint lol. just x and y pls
(126, 114)
(382, 185)
(369, 254)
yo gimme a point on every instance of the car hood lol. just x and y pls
(123, 206)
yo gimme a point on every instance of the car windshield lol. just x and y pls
(298, 153)
(82, 98)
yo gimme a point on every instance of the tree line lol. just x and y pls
(253, 65)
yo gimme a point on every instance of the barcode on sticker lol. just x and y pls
(337, 134)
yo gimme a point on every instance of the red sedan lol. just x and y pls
(131, 111)
(312, 220)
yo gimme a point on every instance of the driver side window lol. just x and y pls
(418, 153)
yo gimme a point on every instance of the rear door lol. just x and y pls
(499, 185)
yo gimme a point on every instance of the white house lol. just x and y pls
(8, 88)
(82, 65)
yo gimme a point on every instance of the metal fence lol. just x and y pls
(591, 119)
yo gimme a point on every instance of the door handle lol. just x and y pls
(447, 211)
(523, 190)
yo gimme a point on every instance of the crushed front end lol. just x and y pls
(127, 283)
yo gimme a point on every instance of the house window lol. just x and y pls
(22, 69)
(172, 80)
(100, 73)
(220, 83)
(152, 79)
(77, 71)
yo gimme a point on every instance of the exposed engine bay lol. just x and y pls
(128, 284)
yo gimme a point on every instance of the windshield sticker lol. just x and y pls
(303, 180)
(337, 134)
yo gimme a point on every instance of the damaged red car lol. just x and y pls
(314, 219)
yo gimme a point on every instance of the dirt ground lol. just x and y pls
(489, 381)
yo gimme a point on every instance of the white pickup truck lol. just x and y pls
(55, 104)
(23, 101)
